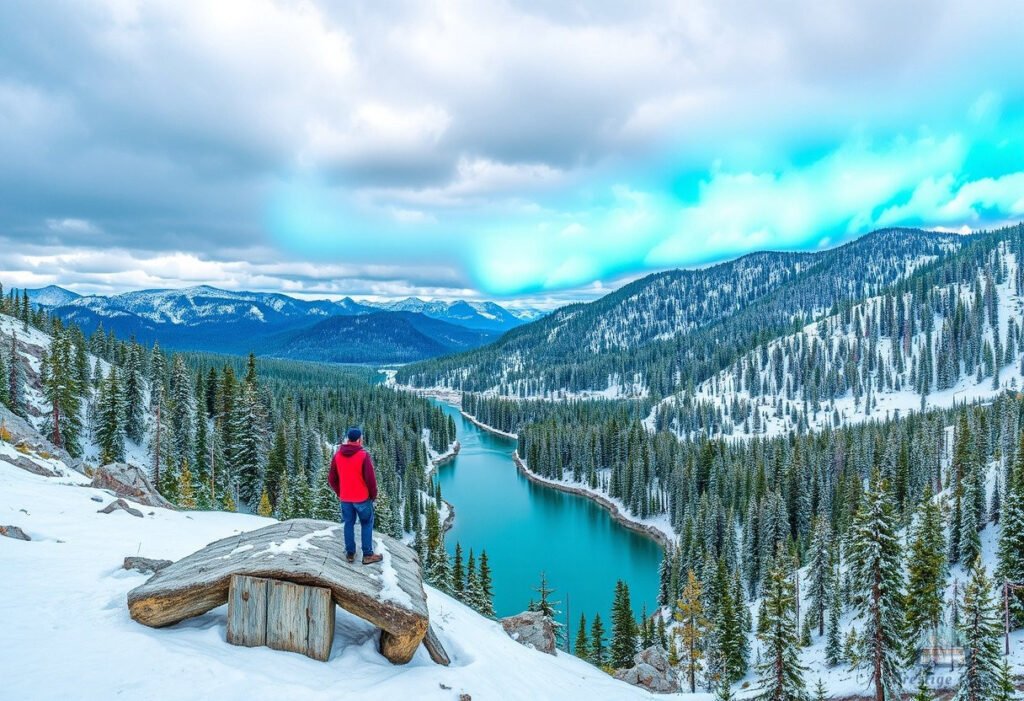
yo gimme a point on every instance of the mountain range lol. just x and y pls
(211, 319)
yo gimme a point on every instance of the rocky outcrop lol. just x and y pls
(28, 464)
(532, 629)
(119, 505)
(22, 434)
(389, 595)
(13, 532)
(145, 565)
(130, 482)
(651, 671)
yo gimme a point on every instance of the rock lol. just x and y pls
(145, 565)
(651, 671)
(532, 629)
(14, 532)
(130, 482)
(119, 504)
(21, 432)
(303, 551)
(465, 697)
(435, 648)
(26, 463)
(96, 497)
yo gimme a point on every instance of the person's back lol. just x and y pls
(354, 481)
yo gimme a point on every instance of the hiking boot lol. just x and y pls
(351, 557)
(370, 559)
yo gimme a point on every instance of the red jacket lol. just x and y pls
(351, 476)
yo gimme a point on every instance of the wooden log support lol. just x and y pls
(247, 611)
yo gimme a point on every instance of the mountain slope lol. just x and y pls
(383, 337)
(953, 338)
(51, 296)
(668, 328)
(486, 316)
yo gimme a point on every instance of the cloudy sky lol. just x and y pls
(523, 151)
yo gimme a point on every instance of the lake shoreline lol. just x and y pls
(653, 532)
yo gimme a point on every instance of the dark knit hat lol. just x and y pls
(354, 434)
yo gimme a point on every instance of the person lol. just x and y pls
(353, 479)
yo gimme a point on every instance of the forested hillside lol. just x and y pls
(663, 331)
(216, 432)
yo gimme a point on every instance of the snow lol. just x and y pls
(291, 545)
(67, 632)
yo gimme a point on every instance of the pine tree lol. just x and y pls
(247, 451)
(624, 632)
(833, 641)
(692, 629)
(186, 492)
(923, 693)
(819, 573)
(878, 578)
(264, 508)
(486, 587)
(1011, 537)
(473, 593)
(780, 671)
(581, 647)
(134, 399)
(458, 573)
(63, 392)
(926, 568)
(1005, 689)
(980, 628)
(110, 430)
(598, 652)
(820, 693)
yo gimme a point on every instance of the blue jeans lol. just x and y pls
(349, 511)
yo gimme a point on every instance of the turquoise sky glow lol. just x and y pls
(514, 150)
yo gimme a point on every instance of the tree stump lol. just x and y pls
(281, 615)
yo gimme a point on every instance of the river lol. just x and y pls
(527, 528)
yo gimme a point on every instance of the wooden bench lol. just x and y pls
(302, 552)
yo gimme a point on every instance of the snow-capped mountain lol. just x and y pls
(487, 316)
(51, 296)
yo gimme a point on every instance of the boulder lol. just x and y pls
(650, 671)
(14, 532)
(18, 431)
(532, 629)
(145, 565)
(119, 504)
(26, 463)
(130, 482)
(389, 595)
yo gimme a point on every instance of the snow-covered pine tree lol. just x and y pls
(1005, 688)
(248, 456)
(926, 572)
(110, 428)
(134, 397)
(486, 606)
(692, 628)
(1011, 537)
(63, 424)
(833, 639)
(819, 573)
(980, 628)
(780, 672)
(875, 562)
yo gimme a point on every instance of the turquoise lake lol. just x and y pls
(527, 528)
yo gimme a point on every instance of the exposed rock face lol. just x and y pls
(303, 551)
(14, 532)
(532, 629)
(21, 432)
(145, 565)
(651, 671)
(26, 463)
(119, 504)
(129, 481)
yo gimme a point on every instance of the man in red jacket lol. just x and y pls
(352, 478)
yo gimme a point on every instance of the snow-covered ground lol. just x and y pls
(66, 631)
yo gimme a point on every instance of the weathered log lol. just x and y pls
(303, 551)
(247, 611)
(433, 644)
